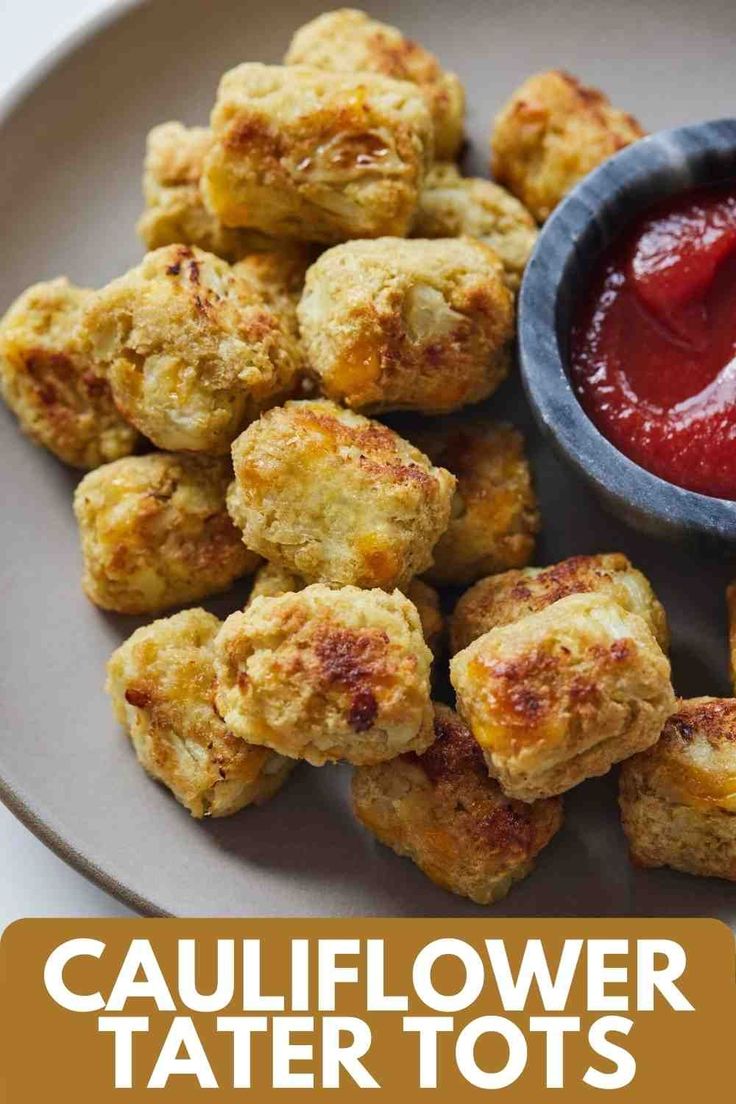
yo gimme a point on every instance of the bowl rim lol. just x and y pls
(658, 165)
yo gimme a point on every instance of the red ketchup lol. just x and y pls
(654, 342)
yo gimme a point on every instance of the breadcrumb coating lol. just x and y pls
(55, 389)
(495, 515)
(561, 695)
(453, 206)
(350, 40)
(501, 599)
(155, 532)
(553, 132)
(175, 213)
(678, 798)
(414, 325)
(314, 155)
(277, 276)
(441, 810)
(326, 675)
(162, 685)
(192, 351)
(271, 580)
(336, 498)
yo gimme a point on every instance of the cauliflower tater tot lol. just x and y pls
(271, 580)
(350, 40)
(317, 156)
(155, 532)
(192, 352)
(502, 599)
(55, 389)
(162, 685)
(441, 810)
(327, 675)
(494, 517)
(175, 213)
(336, 498)
(678, 799)
(551, 133)
(561, 695)
(413, 325)
(453, 206)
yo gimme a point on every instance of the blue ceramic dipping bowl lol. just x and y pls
(570, 243)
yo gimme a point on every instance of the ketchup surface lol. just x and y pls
(654, 342)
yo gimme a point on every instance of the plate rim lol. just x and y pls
(11, 101)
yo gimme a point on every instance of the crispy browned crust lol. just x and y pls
(678, 798)
(414, 325)
(502, 599)
(552, 132)
(495, 516)
(155, 532)
(57, 390)
(350, 40)
(562, 694)
(326, 674)
(314, 155)
(441, 809)
(162, 684)
(336, 498)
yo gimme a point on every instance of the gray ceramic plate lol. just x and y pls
(69, 193)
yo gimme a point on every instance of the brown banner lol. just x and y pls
(406, 1010)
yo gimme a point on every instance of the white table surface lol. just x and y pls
(33, 881)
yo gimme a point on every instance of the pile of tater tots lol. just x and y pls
(316, 259)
